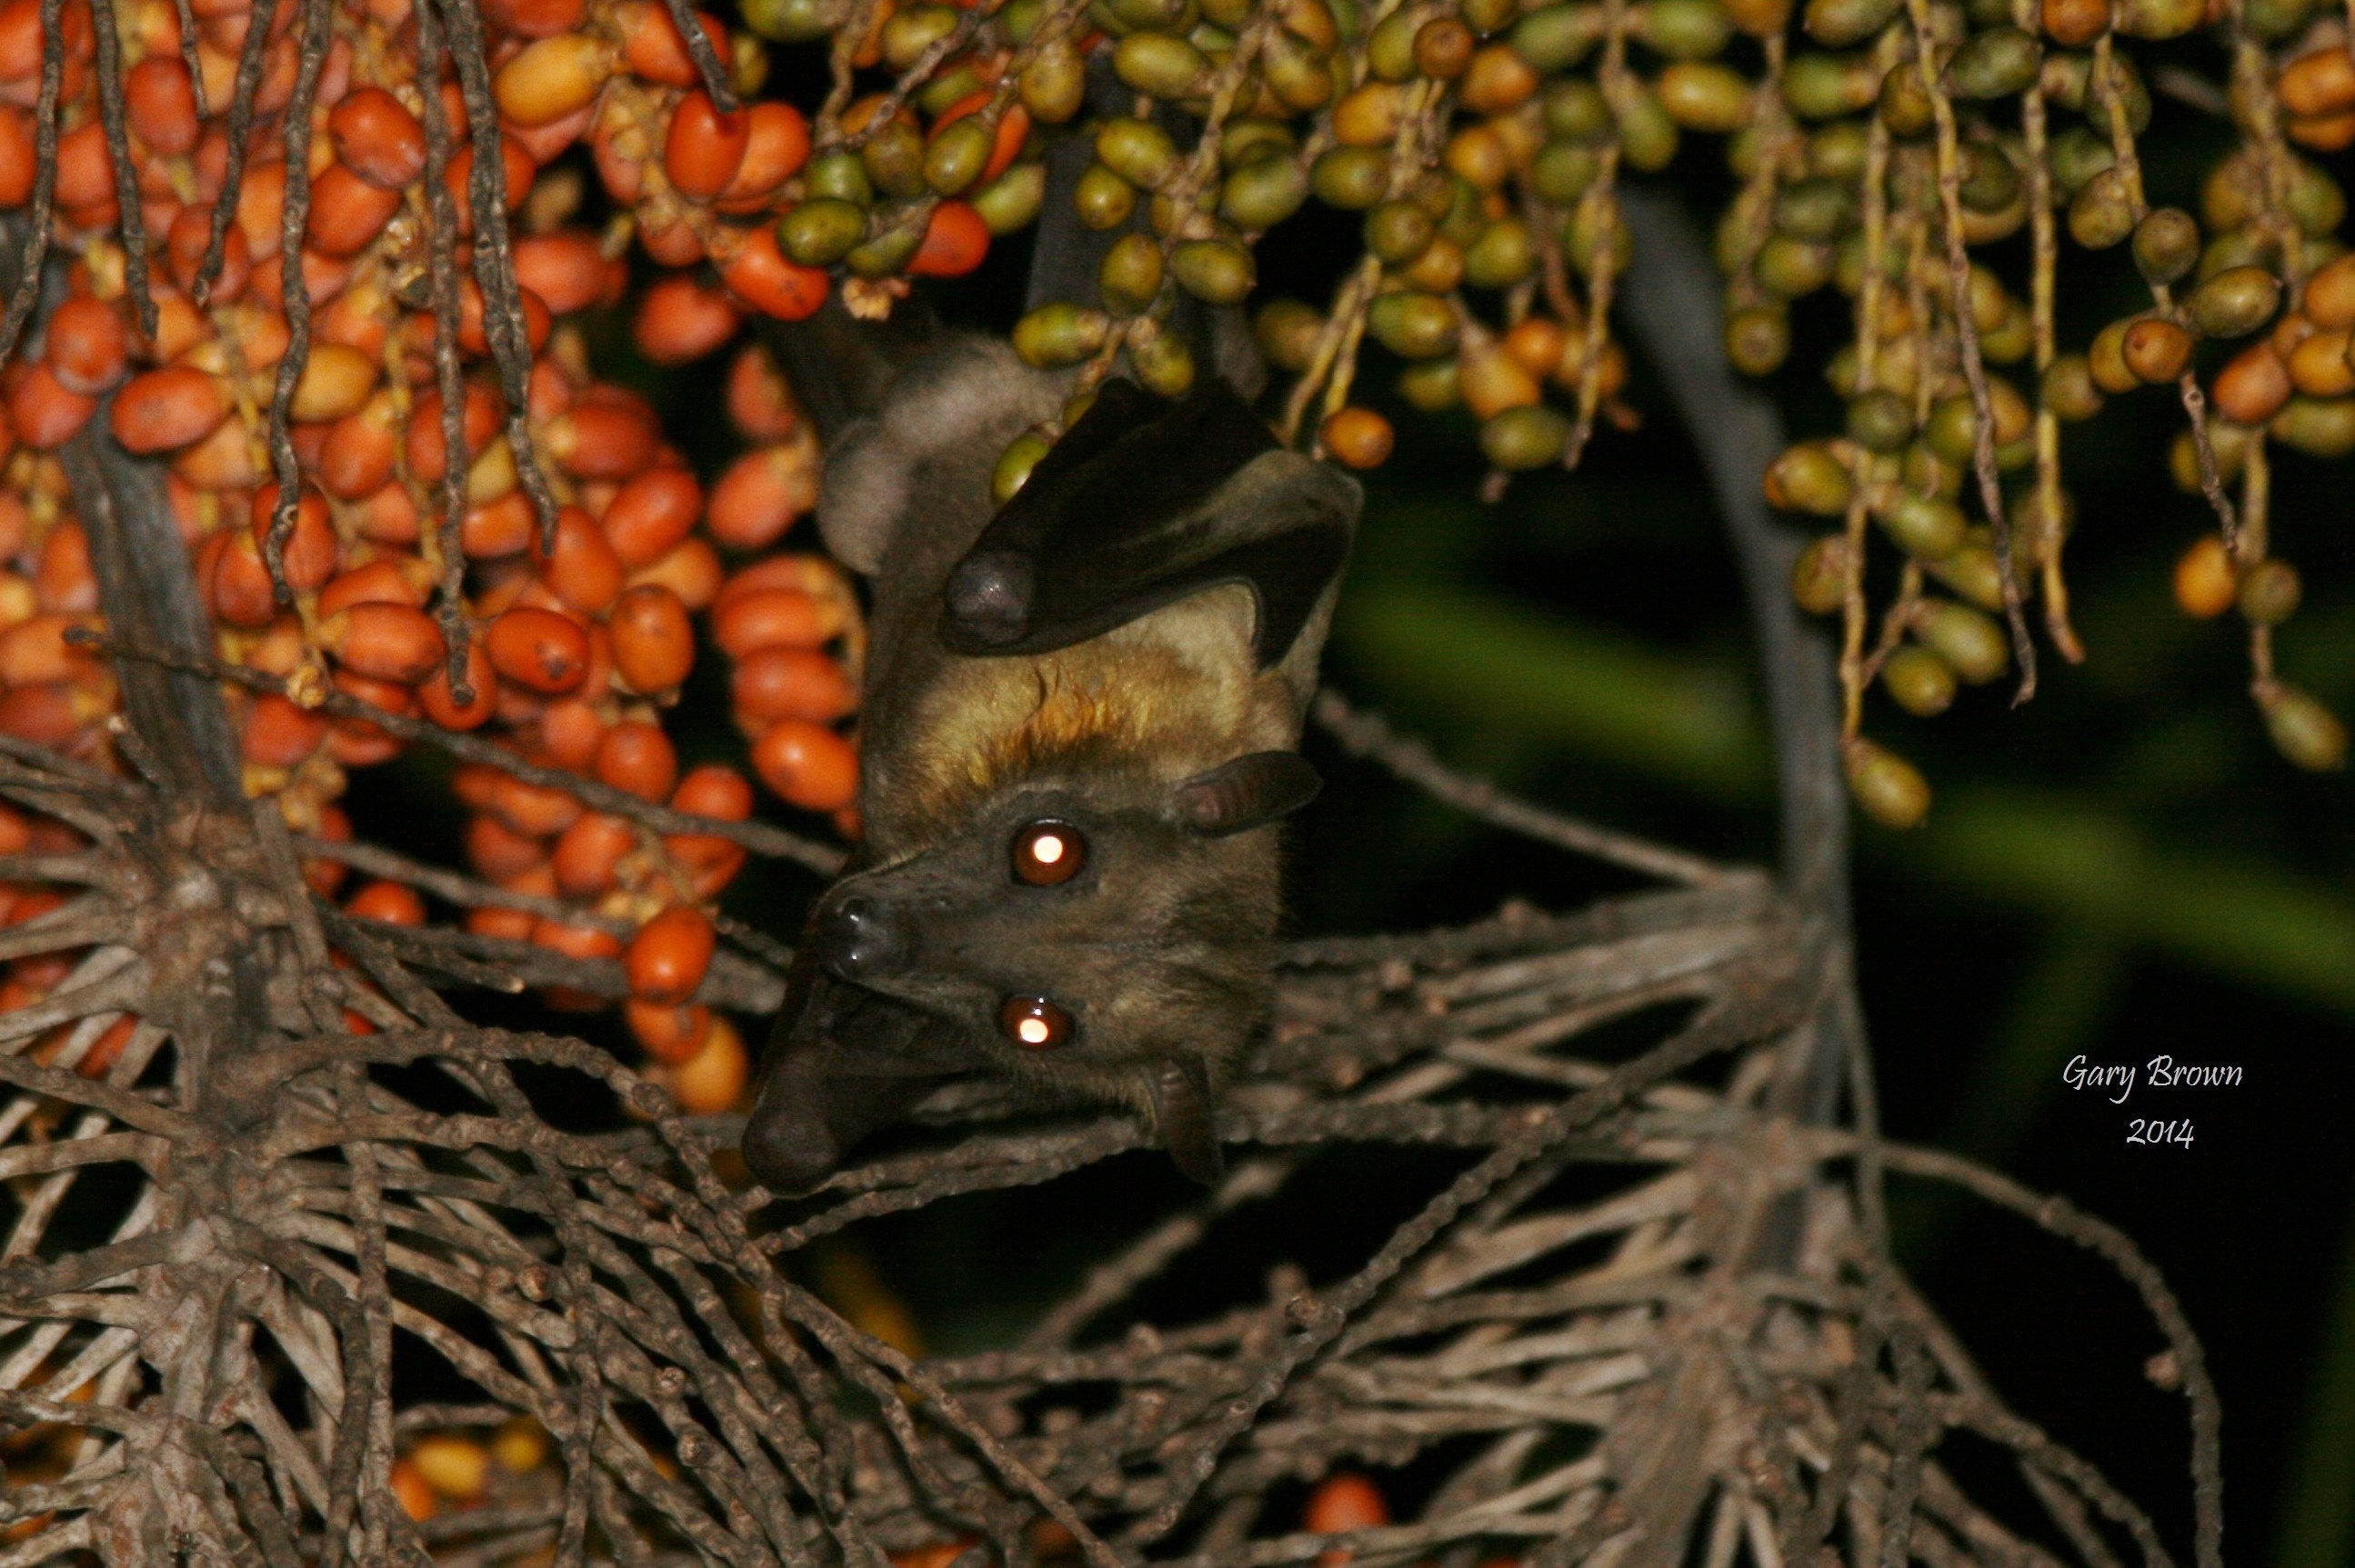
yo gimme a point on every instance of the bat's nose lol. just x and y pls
(860, 939)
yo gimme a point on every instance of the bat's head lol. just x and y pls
(1097, 936)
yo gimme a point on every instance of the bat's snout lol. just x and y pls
(863, 940)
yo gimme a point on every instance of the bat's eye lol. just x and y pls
(1049, 852)
(1034, 1023)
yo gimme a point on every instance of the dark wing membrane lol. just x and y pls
(843, 1063)
(1127, 515)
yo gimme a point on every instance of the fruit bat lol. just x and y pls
(1080, 711)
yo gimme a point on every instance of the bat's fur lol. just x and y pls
(1159, 947)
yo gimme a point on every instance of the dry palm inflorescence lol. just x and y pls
(287, 1293)
(307, 465)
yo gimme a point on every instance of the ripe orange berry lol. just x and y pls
(236, 584)
(1359, 437)
(566, 269)
(166, 409)
(602, 440)
(552, 78)
(808, 765)
(35, 650)
(535, 810)
(669, 955)
(582, 570)
(679, 320)
(2206, 582)
(759, 403)
(705, 148)
(479, 421)
(160, 104)
(498, 529)
(355, 459)
(542, 650)
(691, 570)
(516, 167)
(533, 19)
(654, 49)
(279, 734)
(537, 320)
(652, 514)
(383, 642)
(761, 277)
(2253, 387)
(346, 212)
(390, 580)
(62, 580)
(785, 683)
(410, 1490)
(639, 759)
(18, 163)
(85, 178)
(714, 1080)
(311, 550)
(88, 345)
(776, 618)
(653, 642)
(569, 733)
(671, 1035)
(378, 138)
(714, 792)
(390, 902)
(774, 152)
(586, 853)
(955, 241)
(499, 851)
(435, 700)
(1343, 1502)
(44, 413)
(762, 493)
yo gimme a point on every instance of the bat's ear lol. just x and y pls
(1249, 792)
(1185, 1113)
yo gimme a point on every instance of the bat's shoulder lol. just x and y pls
(931, 446)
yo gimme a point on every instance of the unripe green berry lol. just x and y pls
(1101, 199)
(2303, 730)
(1819, 576)
(820, 233)
(2269, 592)
(1971, 640)
(2236, 301)
(1918, 681)
(1012, 201)
(1060, 333)
(2165, 244)
(1014, 466)
(1995, 63)
(1529, 437)
(1887, 788)
(1215, 271)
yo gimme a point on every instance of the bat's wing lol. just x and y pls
(843, 1062)
(1143, 503)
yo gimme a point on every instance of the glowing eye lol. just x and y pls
(1049, 852)
(1034, 1023)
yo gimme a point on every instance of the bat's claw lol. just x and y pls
(988, 596)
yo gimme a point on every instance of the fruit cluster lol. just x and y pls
(399, 482)
(1890, 160)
